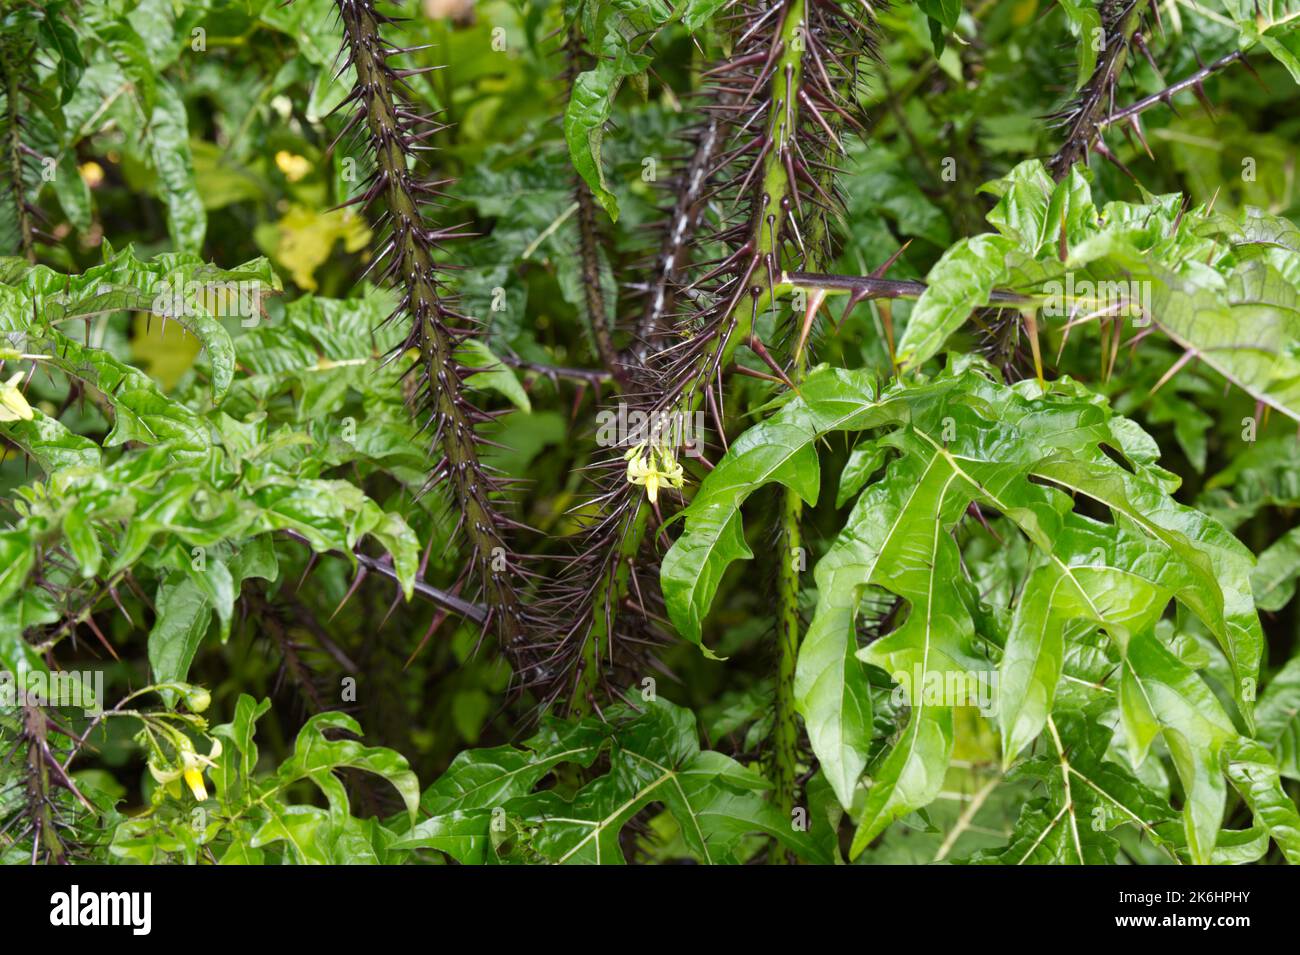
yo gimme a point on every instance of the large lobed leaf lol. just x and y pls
(1025, 453)
(485, 809)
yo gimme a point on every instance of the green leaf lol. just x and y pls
(1087, 798)
(51, 445)
(1277, 725)
(58, 35)
(1272, 24)
(1274, 577)
(306, 829)
(183, 615)
(943, 16)
(175, 287)
(128, 50)
(83, 543)
(911, 775)
(233, 773)
(1201, 280)
(187, 219)
(864, 461)
(314, 753)
(29, 609)
(696, 13)
(494, 375)
(1086, 20)
(959, 283)
(1194, 728)
(1114, 578)
(73, 192)
(714, 537)
(335, 515)
(463, 803)
(778, 450)
(1253, 771)
(311, 24)
(1219, 590)
(968, 439)
(591, 103)
(656, 758)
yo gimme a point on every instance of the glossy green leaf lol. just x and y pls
(959, 283)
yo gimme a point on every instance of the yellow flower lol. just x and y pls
(92, 173)
(191, 769)
(13, 406)
(654, 468)
(293, 166)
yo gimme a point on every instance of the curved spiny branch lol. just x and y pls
(679, 230)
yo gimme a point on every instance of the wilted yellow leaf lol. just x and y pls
(165, 350)
(306, 236)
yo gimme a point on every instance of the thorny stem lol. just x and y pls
(443, 598)
(589, 376)
(750, 300)
(785, 731)
(589, 248)
(593, 295)
(770, 212)
(1165, 95)
(39, 798)
(863, 287)
(612, 589)
(1096, 98)
(293, 664)
(14, 155)
(676, 248)
(791, 562)
(417, 271)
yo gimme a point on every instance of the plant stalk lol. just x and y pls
(749, 300)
